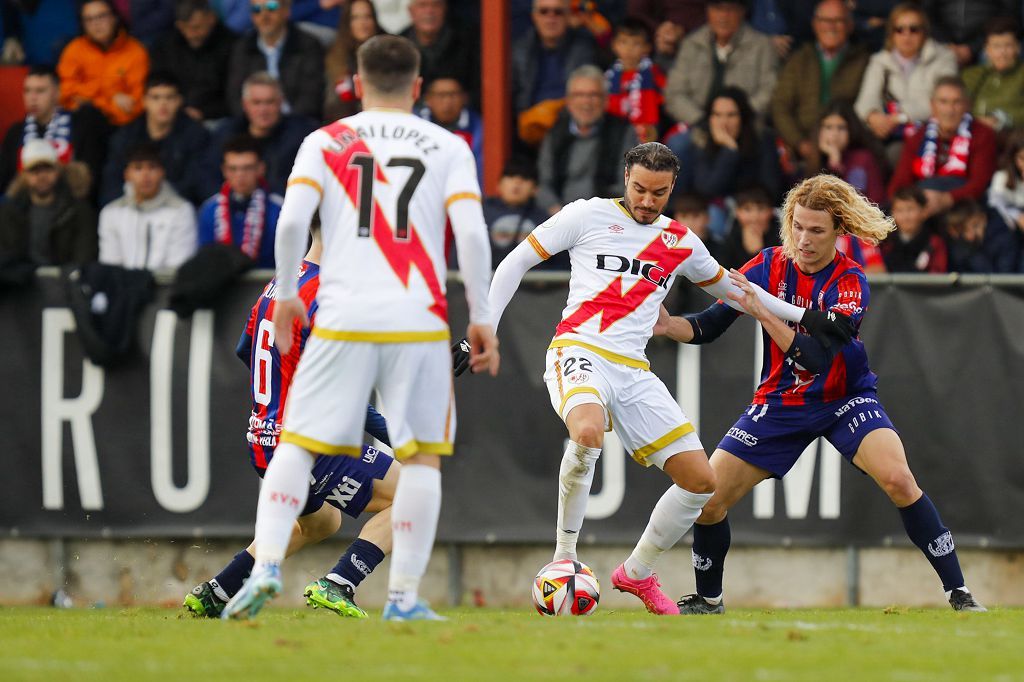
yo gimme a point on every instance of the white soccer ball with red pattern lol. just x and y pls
(566, 588)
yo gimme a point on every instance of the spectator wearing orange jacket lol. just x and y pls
(104, 66)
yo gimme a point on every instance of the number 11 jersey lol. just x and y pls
(386, 179)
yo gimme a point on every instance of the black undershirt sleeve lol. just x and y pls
(711, 322)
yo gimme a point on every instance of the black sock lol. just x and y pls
(925, 529)
(710, 545)
(358, 561)
(232, 576)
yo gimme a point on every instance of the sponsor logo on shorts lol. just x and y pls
(579, 378)
(742, 436)
(853, 402)
(700, 563)
(863, 417)
(344, 492)
(370, 456)
(942, 545)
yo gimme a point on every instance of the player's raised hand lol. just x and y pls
(286, 311)
(483, 349)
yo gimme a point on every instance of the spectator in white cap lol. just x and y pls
(45, 220)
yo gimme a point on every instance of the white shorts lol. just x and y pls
(326, 405)
(645, 416)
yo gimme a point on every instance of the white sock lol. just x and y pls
(672, 517)
(338, 580)
(575, 477)
(414, 523)
(282, 498)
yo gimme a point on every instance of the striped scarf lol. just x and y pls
(255, 219)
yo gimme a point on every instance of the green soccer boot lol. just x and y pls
(327, 594)
(201, 602)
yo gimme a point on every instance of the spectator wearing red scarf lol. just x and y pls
(952, 157)
(635, 83)
(243, 212)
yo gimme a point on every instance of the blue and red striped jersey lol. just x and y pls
(841, 287)
(270, 372)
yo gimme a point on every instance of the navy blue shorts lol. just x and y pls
(345, 482)
(773, 437)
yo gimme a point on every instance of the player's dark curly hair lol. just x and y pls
(653, 156)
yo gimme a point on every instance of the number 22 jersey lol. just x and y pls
(621, 272)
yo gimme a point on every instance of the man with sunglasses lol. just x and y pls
(278, 46)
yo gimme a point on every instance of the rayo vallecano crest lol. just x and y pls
(669, 239)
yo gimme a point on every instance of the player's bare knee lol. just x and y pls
(713, 512)
(701, 481)
(588, 435)
(901, 487)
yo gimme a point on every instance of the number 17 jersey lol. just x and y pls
(386, 179)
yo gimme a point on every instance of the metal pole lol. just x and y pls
(852, 576)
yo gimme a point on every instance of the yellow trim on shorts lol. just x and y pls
(574, 391)
(306, 181)
(709, 282)
(641, 454)
(606, 354)
(459, 197)
(320, 447)
(541, 251)
(381, 337)
(413, 446)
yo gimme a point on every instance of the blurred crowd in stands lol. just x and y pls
(154, 127)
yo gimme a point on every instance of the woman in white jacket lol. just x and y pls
(897, 87)
(150, 226)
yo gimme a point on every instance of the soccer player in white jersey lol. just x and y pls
(625, 256)
(385, 182)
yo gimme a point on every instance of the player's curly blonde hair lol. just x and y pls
(851, 212)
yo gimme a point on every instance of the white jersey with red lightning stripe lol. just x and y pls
(621, 272)
(386, 179)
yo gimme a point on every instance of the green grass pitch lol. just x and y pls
(483, 645)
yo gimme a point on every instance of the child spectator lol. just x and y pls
(977, 244)
(914, 247)
(635, 83)
(995, 87)
(514, 212)
(150, 227)
(243, 212)
(754, 228)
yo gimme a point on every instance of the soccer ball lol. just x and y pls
(566, 588)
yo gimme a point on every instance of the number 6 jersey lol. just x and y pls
(386, 179)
